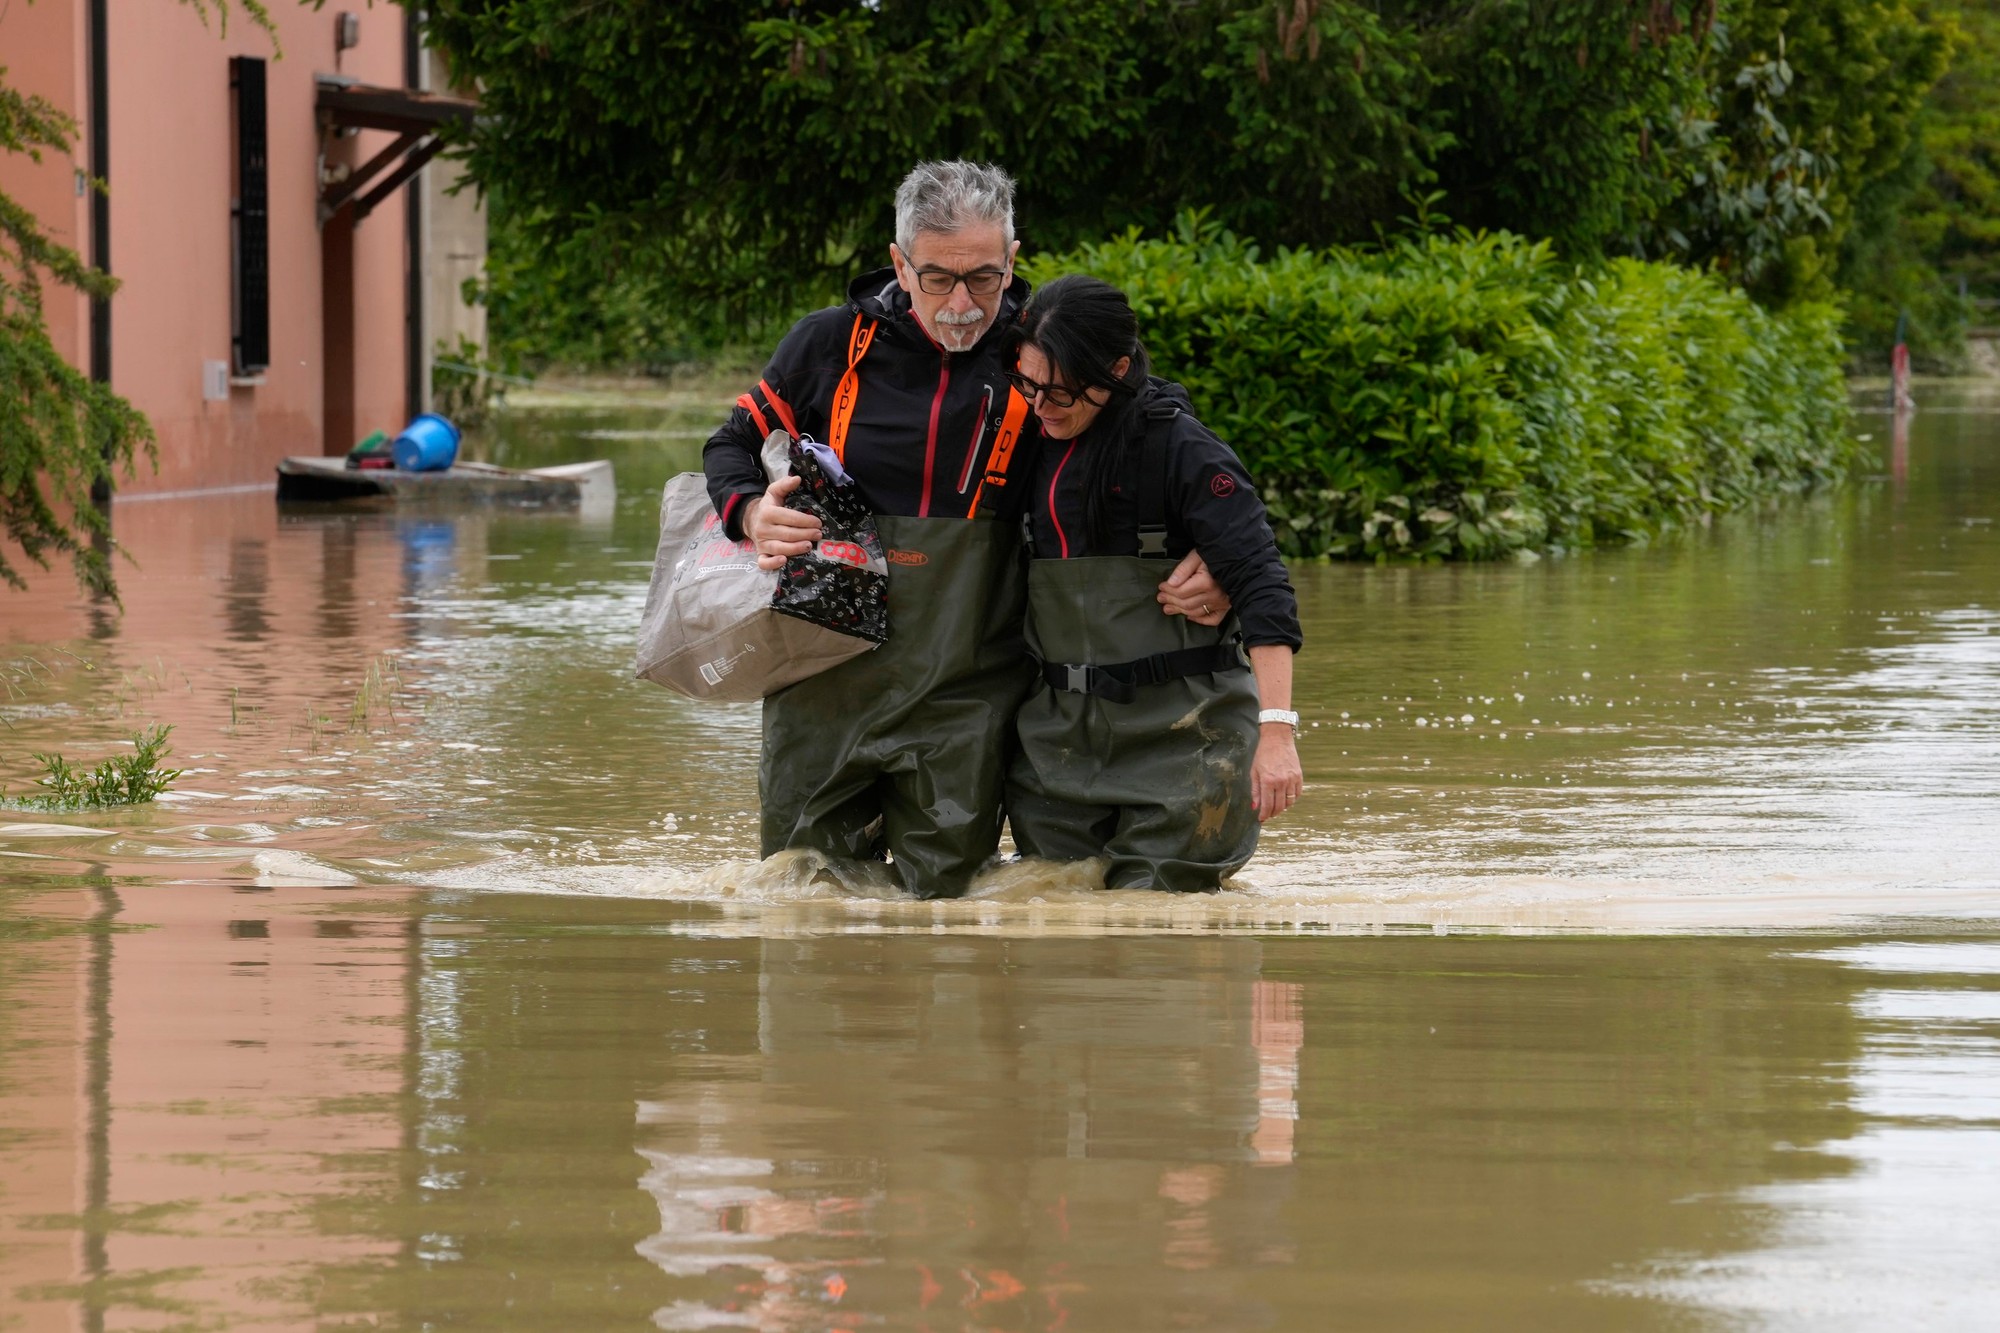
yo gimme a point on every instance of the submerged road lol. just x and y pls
(1791, 718)
(1633, 961)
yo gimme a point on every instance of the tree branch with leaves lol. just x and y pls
(61, 433)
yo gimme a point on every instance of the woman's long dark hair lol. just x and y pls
(1084, 325)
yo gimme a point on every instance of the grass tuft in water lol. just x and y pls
(130, 779)
(377, 694)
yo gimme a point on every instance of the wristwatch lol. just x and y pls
(1283, 715)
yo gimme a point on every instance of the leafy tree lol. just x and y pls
(1954, 217)
(1749, 187)
(748, 152)
(1864, 68)
(1561, 116)
(61, 433)
(1934, 231)
(702, 165)
(786, 126)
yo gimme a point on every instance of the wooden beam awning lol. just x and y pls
(417, 119)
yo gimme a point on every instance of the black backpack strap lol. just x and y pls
(1153, 479)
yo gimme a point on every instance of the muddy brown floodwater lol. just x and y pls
(1633, 960)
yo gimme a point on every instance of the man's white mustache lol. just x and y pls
(972, 316)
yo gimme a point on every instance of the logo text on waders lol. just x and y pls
(908, 558)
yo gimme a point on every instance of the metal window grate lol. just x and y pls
(250, 223)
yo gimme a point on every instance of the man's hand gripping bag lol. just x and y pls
(717, 627)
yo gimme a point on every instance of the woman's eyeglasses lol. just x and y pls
(980, 282)
(1055, 395)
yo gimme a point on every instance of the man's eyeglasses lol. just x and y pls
(980, 282)
(1055, 395)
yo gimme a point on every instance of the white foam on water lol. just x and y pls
(279, 868)
(51, 831)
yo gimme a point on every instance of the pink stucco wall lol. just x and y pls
(172, 160)
(41, 47)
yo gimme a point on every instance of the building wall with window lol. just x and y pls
(339, 306)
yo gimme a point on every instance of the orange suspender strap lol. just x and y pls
(782, 408)
(748, 402)
(850, 384)
(1002, 456)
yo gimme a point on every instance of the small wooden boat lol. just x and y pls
(589, 487)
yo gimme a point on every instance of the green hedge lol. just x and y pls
(1469, 396)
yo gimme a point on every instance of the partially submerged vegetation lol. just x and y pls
(1467, 395)
(132, 779)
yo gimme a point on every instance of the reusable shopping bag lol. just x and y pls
(716, 627)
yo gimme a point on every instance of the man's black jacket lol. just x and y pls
(924, 423)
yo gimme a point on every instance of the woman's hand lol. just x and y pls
(1192, 591)
(1276, 779)
(776, 531)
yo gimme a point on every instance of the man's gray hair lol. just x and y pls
(945, 196)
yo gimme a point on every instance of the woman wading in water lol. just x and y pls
(1146, 740)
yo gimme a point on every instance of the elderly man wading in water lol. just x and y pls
(902, 750)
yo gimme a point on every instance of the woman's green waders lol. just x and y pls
(1160, 784)
(916, 733)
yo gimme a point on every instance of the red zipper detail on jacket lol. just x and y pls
(978, 438)
(1054, 517)
(930, 445)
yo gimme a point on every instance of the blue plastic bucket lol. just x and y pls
(428, 444)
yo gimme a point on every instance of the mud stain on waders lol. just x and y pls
(1217, 780)
(1196, 717)
(1209, 821)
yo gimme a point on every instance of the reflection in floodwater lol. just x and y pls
(435, 1110)
(248, 585)
(1277, 1030)
(237, 1064)
(987, 1106)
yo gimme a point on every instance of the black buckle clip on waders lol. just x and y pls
(1119, 683)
